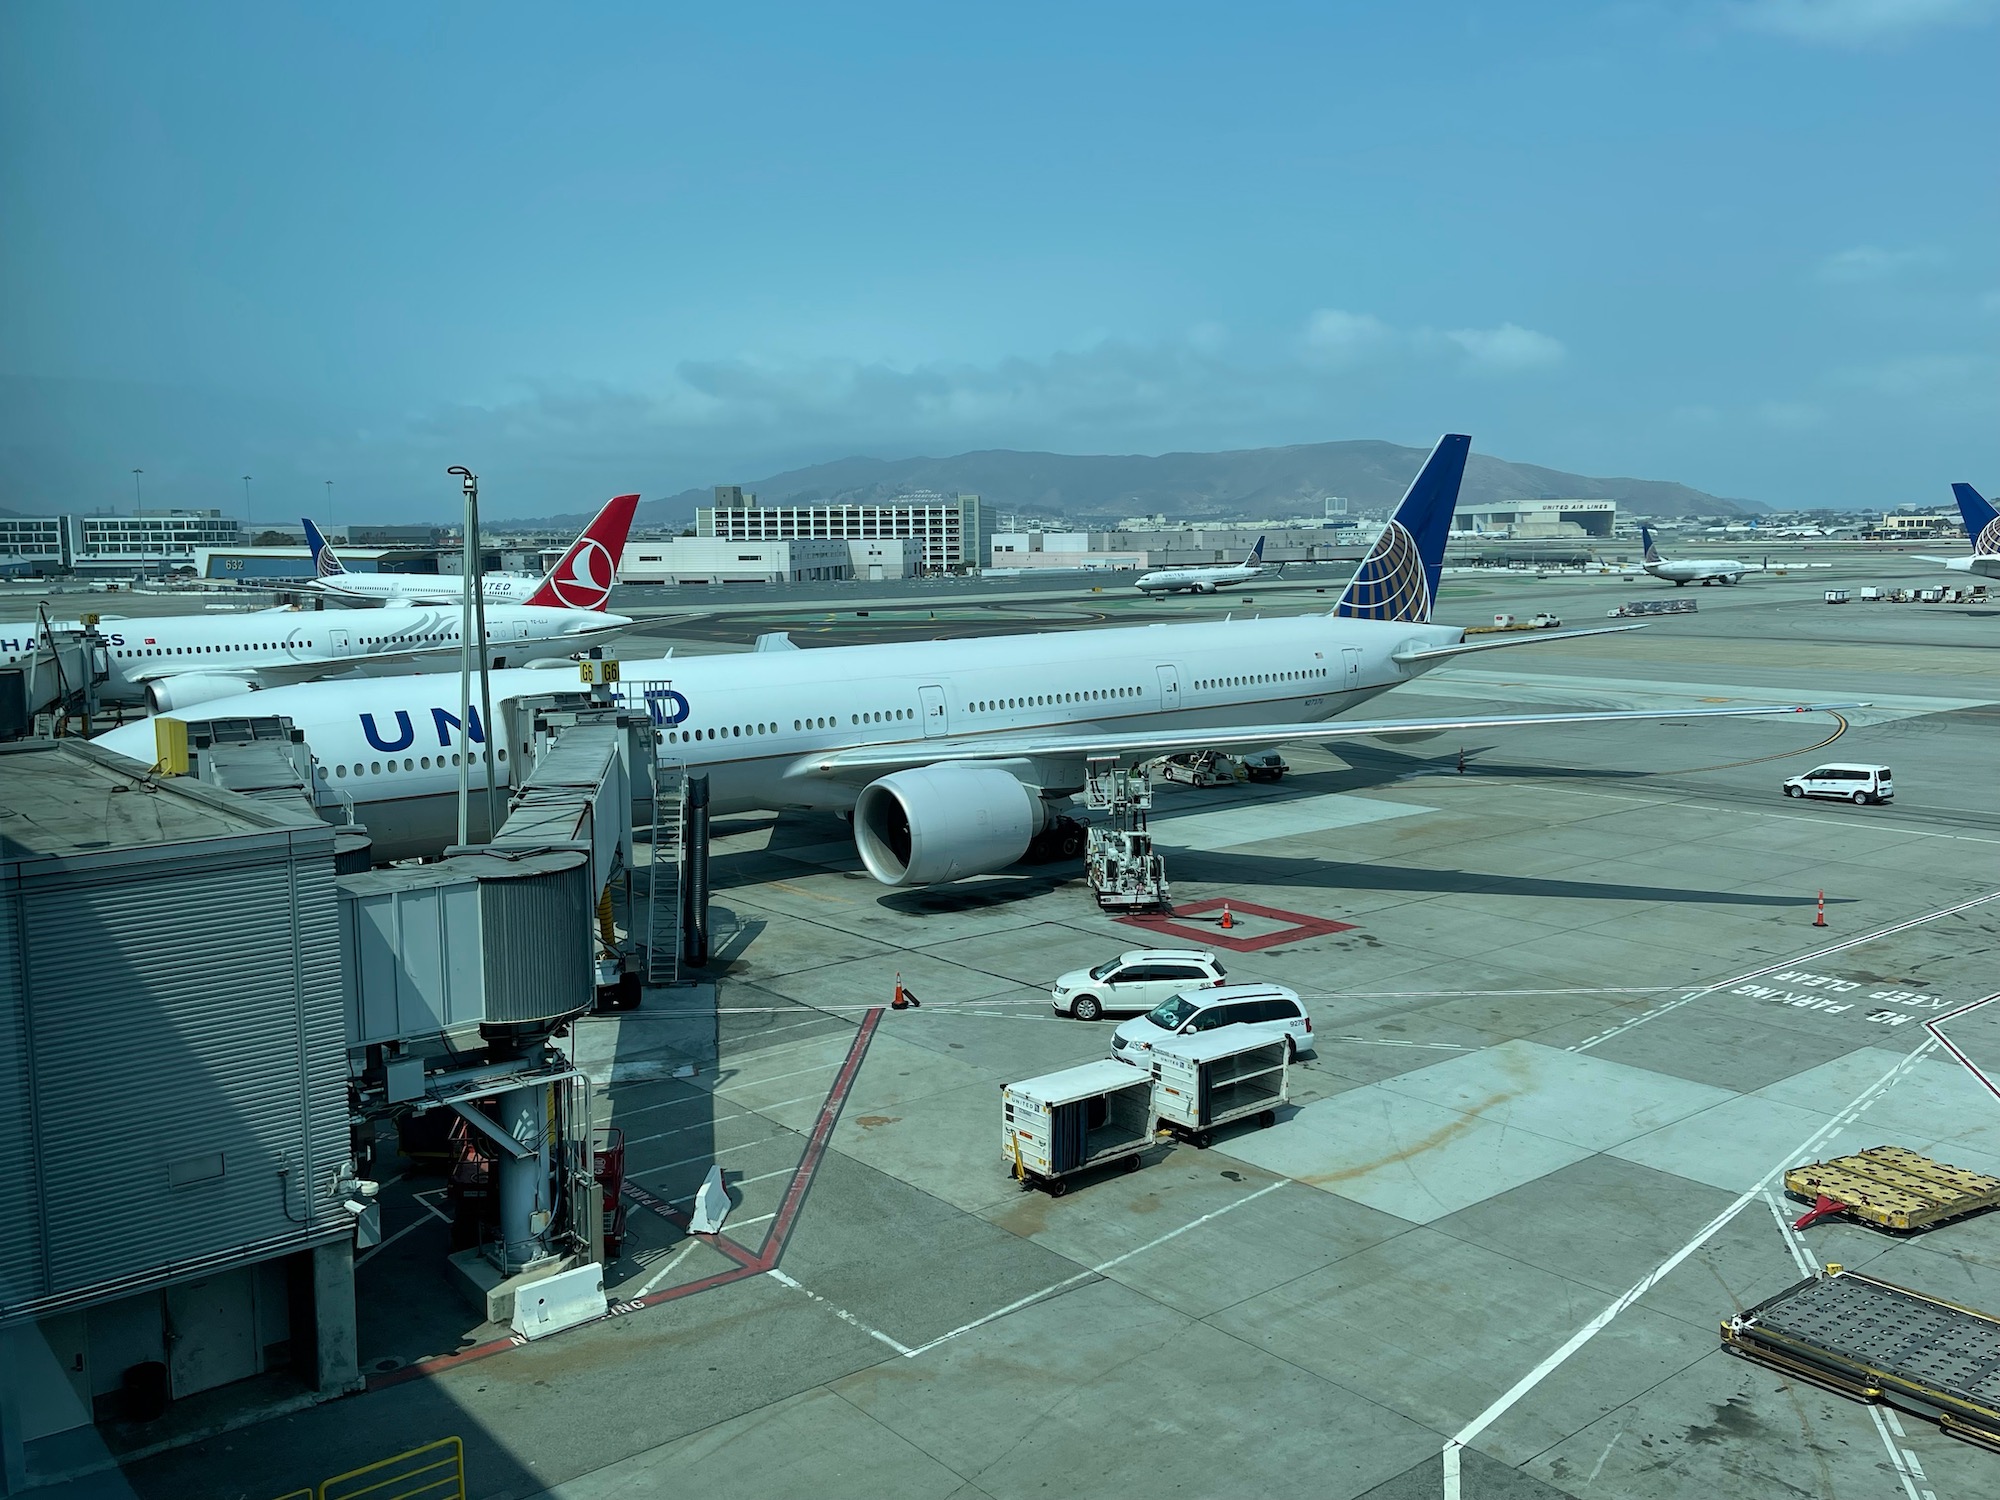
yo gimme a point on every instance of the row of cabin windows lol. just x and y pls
(1258, 679)
(410, 763)
(725, 732)
(366, 640)
(1045, 700)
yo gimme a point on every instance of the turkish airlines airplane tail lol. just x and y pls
(1398, 579)
(1982, 522)
(583, 576)
(325, 564)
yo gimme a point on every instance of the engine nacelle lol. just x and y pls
(166, 694)
(937, 823)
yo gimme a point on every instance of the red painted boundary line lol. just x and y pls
(1933, 1027)
(747, 1264)
(1298, 926)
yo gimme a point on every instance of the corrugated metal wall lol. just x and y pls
(20, 1235)
(531, 974)
(184, 1010)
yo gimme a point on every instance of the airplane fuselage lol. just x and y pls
(760, 723)
(413, 588)
(1194, 580)
(1686, 570)
(141, 652)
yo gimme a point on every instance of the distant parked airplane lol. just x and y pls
(582, 579)
(1200, 580)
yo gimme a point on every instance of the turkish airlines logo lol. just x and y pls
(583, 579)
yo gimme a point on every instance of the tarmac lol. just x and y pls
(1575, 1021)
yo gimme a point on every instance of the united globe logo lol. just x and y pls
(1989, 538)
(1390, 583)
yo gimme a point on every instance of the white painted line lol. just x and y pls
(1786, 963)
(413, 1224)
(841, 1313)
(660, 1135)
(1790, 1236)
(1096, 1270)
(743, 1182)
(1901, 829)
(1469, 1433)
(653, 1281)
(1895, 1453)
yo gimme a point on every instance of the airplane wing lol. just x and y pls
(276, 674)
(1046, 743)
(1437, 653)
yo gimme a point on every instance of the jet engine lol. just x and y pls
(166, 694)
(937, 823)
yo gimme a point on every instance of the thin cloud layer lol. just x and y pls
(1861, 23)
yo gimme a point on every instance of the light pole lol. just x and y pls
(138, 512)
(247, 526)
(472, 637)
(329, 507)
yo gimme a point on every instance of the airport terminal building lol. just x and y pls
(950, 532)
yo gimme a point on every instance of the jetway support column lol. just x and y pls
(694, 889)
(524, 1178)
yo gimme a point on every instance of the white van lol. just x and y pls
(1850, 783)
(1260, 1009)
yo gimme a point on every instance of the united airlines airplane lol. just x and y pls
(170, 662)
(1681, 572)
(581, 579)
(1198, 580)
(952, 757)
(1982, 524)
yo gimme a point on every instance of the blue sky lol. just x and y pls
(1745, 244)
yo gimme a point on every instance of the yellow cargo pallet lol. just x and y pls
(1894, 1187)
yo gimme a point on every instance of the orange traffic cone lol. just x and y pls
(1819, 917)
(1227, 920)
(902, 1001)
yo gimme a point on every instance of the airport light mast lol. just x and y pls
(472, 617)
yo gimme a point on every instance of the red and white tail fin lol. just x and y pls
(583, 576)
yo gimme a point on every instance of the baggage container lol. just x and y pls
(1060, 1124)
(1212, 1078)
(1836, 596)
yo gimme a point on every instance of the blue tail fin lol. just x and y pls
(1651, 553)
(1256, 557)
(325, 564)
(1398, 579)
(1982, 522)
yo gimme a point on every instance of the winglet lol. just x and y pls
(583, 576)
(325, 564)
(1982, 522)
(1398, 579)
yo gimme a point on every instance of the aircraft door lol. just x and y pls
(1350, 661)
(1170, 689)
(936, 725)
(337, 643)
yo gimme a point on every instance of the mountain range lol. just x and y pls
(1247, 483)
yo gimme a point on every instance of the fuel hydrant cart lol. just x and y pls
(1060, 1124)
(1213, 1078)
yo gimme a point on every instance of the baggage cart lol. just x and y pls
(1213, 1078)
(1060, 1124)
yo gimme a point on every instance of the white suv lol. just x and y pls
(1850, 783)
(1268, 1008)
(1134, 982)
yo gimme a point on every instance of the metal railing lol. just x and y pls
(663, 884)
(436, 1471)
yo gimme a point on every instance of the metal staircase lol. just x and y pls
(669, 870)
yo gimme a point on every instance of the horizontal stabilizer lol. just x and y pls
(1519, 638)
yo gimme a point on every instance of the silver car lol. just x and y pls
(1133, 983)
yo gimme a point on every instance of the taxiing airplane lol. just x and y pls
(952, 757)
(1202, 580)
(581, 579)
(1686, 570)
(170, 662)
(1982, 524)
